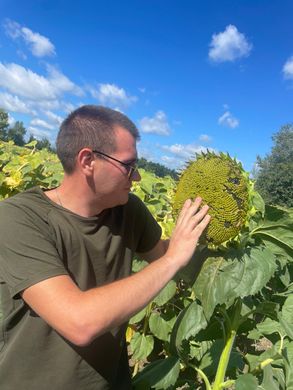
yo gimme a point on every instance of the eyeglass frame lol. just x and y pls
(131, 169)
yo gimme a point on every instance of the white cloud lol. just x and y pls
(69, 107)
(12, 103)
(229, 45)
(41, 123)
(112, 95)
(61, 83)
(39, 45)
(181, 154)
(47, 104)
(288, 68)
(184, 151)
(228, 120)
(171, 162)
(56, 119)
(146, 152)
(11, 120)
(205, 138)
(156, 125)
(21, 81)
(38, 133)
(24, 82)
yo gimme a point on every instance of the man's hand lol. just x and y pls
(191, 223)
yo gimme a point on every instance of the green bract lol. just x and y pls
(224, 186)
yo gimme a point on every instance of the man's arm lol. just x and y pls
(81, 316)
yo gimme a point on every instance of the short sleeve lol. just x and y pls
(27, 254)
(147, 228)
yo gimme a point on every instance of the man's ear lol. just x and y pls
(85, 161)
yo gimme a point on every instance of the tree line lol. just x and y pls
(17, 133)
(273, 173)
(156, 168)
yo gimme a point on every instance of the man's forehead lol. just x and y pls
(125, 146)
(124, 136)
(120, 131)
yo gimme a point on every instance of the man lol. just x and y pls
(65, 261)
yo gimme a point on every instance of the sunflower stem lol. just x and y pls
(225, 356)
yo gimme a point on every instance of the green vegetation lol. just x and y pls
(228, 324)
(3, 124)
(24, 167)
(226, 320)
(158, 169)
(274, 176)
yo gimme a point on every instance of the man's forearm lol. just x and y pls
(81, 316)
(111, 305)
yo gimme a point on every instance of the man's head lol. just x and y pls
(90, 127)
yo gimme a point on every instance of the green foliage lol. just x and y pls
(156, 192)
(226, 320)
(16, 134)
(44, 143)
(25, 167)
(158, 169)
(274, 177)
(210, 332)
(3, 124)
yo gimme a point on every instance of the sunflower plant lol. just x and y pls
(228, 322)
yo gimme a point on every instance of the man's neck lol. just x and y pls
(73, 196)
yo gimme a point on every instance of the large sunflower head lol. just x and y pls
(224, 186)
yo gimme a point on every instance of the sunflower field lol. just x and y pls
(226, 320)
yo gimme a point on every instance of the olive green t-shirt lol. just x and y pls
(39, 240)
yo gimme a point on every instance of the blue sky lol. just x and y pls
(191, 74)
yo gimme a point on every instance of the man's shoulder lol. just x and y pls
(135, 200)
(134, 203)
(31, 201)
(27, 196)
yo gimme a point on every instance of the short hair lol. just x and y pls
(90, 126)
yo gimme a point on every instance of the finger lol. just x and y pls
(191, 210)
(185, 207)
(201, 226)
(201, 213)
(196, 219)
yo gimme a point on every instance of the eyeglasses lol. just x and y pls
(130, 169)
